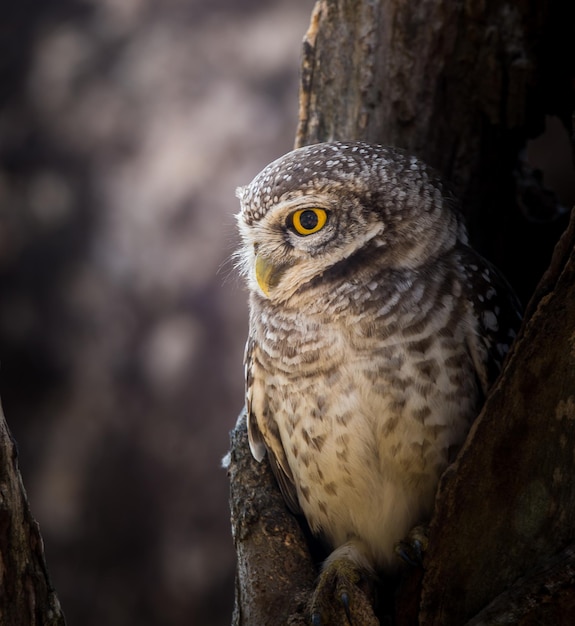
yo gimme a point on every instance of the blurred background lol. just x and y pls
(125, 127)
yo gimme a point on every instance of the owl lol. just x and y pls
(375, 332)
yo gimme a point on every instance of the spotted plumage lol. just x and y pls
(375, 333)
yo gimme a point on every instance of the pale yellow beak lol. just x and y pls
(267, 274)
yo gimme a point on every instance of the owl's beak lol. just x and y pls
(267, 273)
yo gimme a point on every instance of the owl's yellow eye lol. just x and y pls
(308, 221)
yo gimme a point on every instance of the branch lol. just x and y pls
(26, 594)
(275, 572)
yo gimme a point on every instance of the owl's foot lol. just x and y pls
(412, 548)
(344, 593)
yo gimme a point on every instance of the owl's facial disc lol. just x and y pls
(282, 240)
(298, 238)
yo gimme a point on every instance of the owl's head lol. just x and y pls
(327, 209)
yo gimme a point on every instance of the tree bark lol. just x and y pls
(26, 595)
(464, 86)
(507, 504)
(275, 570)
(544, 597)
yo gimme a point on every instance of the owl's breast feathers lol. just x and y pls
(371, 352)
(362, 398)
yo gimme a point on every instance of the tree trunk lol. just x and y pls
(507, 504)
(26, 595)
(464, 86)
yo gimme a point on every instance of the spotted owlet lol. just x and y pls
(375, 333)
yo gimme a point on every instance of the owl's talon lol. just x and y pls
(413, 547)
(344, 597)
(404, 554)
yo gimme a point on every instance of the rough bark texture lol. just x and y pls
(464, 85)
(507, 505)
(544, 597)
(271, 547)
(26, 595)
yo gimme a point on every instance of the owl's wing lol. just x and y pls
(263, 434)
(255, 438)
(498, 313)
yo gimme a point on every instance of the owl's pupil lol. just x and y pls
(308, 220)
